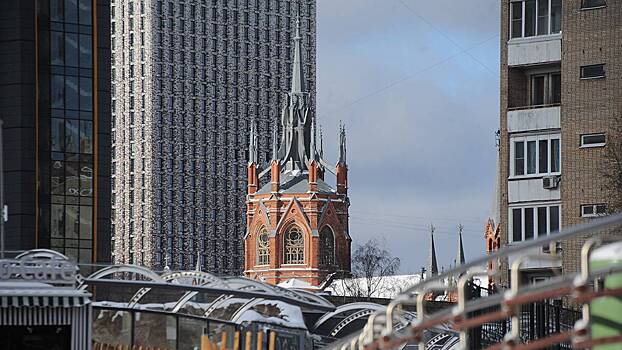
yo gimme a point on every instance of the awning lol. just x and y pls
(43, 301)
(41, 295)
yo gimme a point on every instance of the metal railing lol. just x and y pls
(520, 318)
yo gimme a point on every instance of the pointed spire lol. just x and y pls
(321, 143)
(252, 144)
(460, 258)
(298, 78)
(275, 142)
(313, 152)
(198, 267)
(342, 143)
(433, 267)
(166, 267)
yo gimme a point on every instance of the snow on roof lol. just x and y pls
(387, 287)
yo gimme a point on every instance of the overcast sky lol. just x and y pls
(417, 85)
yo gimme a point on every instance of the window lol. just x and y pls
(527, 221)
(546, 89)
(594, 71)
(535, 17)
(593, 140)
(327, 247)
(589, 4)
(593, 210)
(294, 246)
(263, 247)
(537, 154)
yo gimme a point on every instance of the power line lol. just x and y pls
(472, 219)
(429, 23)
(410, 76)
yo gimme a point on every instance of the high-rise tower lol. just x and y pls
(55, 103)
(188, 77)
(297, 223)
(560, 104)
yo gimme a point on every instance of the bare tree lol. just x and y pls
(371, 264)
(613, 164)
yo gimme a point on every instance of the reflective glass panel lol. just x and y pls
(71, 92)
(72, 221)
(86, 49)
(86, 94)
(71, 49)
(57, 42)
(57, 93)
(72, 136)
(86, 222)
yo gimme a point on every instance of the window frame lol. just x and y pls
(595, 213)
(603, 76)
(535, 220)
(585, 7)
(263, 252)
(287, 261)
(548, 89)
(525, 139)
(535, 19)
(333, 247)
(593, 145)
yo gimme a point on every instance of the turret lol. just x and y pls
(342, 167)
(253, 179)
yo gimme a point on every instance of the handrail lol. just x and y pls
(562, 287)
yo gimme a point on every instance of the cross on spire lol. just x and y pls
(460, 258)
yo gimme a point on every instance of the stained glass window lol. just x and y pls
(327, 247)
(263, 247)
(294, 246)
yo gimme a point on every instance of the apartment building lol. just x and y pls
(55, 104)
(188, 78)
(561, 75)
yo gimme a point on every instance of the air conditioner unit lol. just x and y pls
(550, 182)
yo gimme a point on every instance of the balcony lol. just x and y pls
(533, 118)
(546, 262)
(529, 189)
(534, 50)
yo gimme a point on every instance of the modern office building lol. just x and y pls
(188, 77)
(561, 79)
(54, 100)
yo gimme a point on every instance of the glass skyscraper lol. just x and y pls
(57, 126)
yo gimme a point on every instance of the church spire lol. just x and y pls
(252, 144)
(342, 143)
(275, 142)
(297, 147)
(460, 258)
(433, 268)
(298, 76)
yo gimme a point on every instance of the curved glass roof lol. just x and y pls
(197, 293)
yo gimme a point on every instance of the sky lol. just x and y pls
(417, 85)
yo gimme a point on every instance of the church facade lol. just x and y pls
(297, 224)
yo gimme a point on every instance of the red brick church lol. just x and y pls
(297, 223)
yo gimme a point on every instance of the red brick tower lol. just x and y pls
(297, 223)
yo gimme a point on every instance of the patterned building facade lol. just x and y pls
(54, 101)
(560, 83)
(297, 223)
(188, 76)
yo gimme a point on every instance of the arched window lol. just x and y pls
(327, 247)
(263, 247)
(294, 246)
